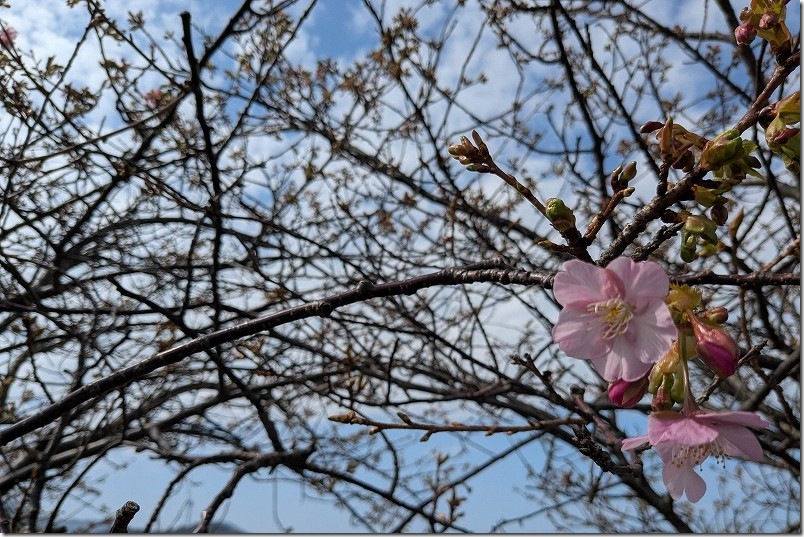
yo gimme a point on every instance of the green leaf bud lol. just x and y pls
(559, 214)
(629, 172)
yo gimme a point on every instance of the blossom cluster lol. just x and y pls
(765, 18)
(638, 332)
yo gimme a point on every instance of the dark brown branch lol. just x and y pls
(123, 517)
(743, 280)
(482, 272)
(792, 362)
(212, 160)
(478, 273)
(779, 76)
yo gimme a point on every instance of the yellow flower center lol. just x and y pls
(614, 313)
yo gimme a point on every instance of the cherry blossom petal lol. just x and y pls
(584, 282)
(633, 443)
(669, 427)
(619, 362)
(679, 480)
(748, 419)
(641, 279)
(576, 337)
(652, 331)
(737, 440)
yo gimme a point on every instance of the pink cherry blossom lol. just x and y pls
(614, 316)
(685, 440)
(7, 36)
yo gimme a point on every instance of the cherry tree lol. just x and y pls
(560, 237)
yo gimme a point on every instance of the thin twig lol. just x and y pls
(352, 418)
(491, 271)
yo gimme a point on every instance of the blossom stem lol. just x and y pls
(689, 407)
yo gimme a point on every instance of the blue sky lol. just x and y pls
(272, 503)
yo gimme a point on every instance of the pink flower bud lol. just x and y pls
(651, 126)
(768, 21)
(715, 347)
(745, 33)
(627, 393)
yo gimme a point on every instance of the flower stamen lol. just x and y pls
(695, 455)
(614, 313)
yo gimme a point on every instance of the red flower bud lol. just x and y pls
(651, 126)
(719, 214)
(625, 393)
(784, 135)
(715, 347)
(745, 33)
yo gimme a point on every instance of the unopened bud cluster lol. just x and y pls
(784, 138)
(728, 157)
(697, 229)
(474, 157)
(621, 176)
(725, 149)
(766, 19)
(676, 144)
(704, 331)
